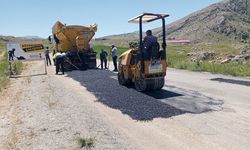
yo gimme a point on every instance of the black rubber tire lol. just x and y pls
(155, 84)
(140, 85)
(159, 83)
(121, 79)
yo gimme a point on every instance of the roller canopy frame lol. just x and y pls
(147, 18)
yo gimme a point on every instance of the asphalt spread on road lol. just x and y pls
(143, 106)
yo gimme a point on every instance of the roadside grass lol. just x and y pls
(218, 48)
(2, 46)
(85, 142)
(4, 71)
(176, 54)
(177, 58)
(233, 69)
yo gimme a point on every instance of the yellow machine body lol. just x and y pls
(73, 37)
(129, 71)
(74, 40)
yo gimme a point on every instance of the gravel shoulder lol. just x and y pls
(43, 112)
(191, 112)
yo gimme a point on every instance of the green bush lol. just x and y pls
(181, 65)
(86, 142)
(4, 71)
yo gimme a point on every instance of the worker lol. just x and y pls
(149, 39)
(11, 54)
(59, 59)
(48, 61)
(150, 45)
(114, 56)
(103, 57)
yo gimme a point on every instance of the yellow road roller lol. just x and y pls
(143, 66)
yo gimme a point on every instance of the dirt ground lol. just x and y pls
(193, 111)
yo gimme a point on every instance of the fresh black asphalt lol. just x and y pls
(143, 106)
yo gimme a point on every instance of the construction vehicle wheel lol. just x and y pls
(121, 79)
(155, 84)
(159, 83)
(140, 85)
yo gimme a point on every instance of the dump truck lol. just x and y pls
(145, 68)
(74, 41)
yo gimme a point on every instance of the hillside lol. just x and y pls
(119, 39)
(223, 22)
(19, 39)
(228, 20)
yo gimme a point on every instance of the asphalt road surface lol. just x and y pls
(193, 111)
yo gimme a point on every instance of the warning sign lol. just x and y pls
(17, 51)
(32, 48)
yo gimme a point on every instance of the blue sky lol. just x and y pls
(36, 17)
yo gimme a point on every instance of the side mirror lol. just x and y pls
(49, 38)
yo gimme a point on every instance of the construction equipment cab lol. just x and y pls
(145, 66)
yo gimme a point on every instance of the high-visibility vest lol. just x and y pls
(56, 55)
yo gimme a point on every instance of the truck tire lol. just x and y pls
(121, 79)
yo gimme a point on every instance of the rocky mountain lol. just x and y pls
(226, 21)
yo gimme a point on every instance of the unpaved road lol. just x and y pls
(193, 111)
